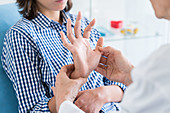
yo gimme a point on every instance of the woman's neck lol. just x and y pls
(53, 15)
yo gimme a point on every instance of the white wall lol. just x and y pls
(83, 6)
(102, 10)
(131, 10)
(136, 50)
(149, 26)
(142, 12)
(106, 10)
(6, 1)
(152, 32)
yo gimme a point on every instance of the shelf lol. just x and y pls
(121, 37)
(109, 36)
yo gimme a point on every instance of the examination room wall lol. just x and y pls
(153, 32)
(6, 1)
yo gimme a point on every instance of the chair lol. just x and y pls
(8, 102)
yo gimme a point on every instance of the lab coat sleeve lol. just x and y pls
(144, 97)
(69, 107)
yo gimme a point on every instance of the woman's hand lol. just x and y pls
(65, 88)
(115, 66)
(85, 59)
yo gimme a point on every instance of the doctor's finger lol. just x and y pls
(69, 31)
(80, 82)
(108, 49)
(80, 94)
(103, 60)
(85, 108)
(70, 68)
(101, 69)
(88, 29)
(77, 27)
(63, 75)
(79, 103)
(67, 68)
(104, 54)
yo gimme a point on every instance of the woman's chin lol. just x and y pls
(57, 9)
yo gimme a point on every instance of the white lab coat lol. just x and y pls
(150, 91)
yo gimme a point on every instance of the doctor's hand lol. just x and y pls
(85, 59)
(91, 101)
(65, 88)
(115, 66)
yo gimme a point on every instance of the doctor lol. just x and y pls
(148, 84)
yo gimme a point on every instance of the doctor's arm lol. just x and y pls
(66, 90)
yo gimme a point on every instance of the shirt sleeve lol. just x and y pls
(69, 107)
(107, 82)
(21, 62)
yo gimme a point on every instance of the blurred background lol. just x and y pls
(135, 29)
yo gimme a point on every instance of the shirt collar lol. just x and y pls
(45, 22)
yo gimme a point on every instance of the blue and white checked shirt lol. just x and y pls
(33, 55)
